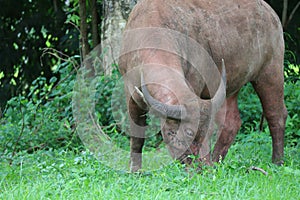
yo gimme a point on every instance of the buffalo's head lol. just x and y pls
(186, 127)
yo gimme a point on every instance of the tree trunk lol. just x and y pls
(95, 17)
(284, 12)
(85, 48)
(87, 61)
(115, 17)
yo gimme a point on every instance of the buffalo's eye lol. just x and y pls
(189, 132)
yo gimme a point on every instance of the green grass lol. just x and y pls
(61, 174)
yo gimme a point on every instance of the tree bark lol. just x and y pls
(95, 17)
(55, 5)
(87, 62)
(284, 12)
(85, 48)
(115, 17)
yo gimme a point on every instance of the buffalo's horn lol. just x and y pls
(220, 95)
(171, 111)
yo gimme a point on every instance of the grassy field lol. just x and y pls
(62, 174)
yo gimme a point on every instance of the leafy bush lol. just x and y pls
(41, 119)
(103, 96)
(292, 99)
(250, 108)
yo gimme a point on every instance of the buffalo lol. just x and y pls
(185, 61)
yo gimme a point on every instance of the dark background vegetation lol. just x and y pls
(40, 51)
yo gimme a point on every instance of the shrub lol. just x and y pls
(41, 119)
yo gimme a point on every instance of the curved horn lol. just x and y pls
(220, 95)
(171, 111)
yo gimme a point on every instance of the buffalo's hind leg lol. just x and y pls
(228, 129)
(269, 87)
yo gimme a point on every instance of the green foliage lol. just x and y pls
(291, 71)
(250, 108)
(26, 28)
(43, 118)
(292, 99)
(104, 91)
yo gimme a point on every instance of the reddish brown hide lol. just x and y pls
(186, 95)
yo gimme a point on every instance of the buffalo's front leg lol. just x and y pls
(228, 128)
(137, 134)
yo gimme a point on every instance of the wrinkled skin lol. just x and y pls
(246, 34)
